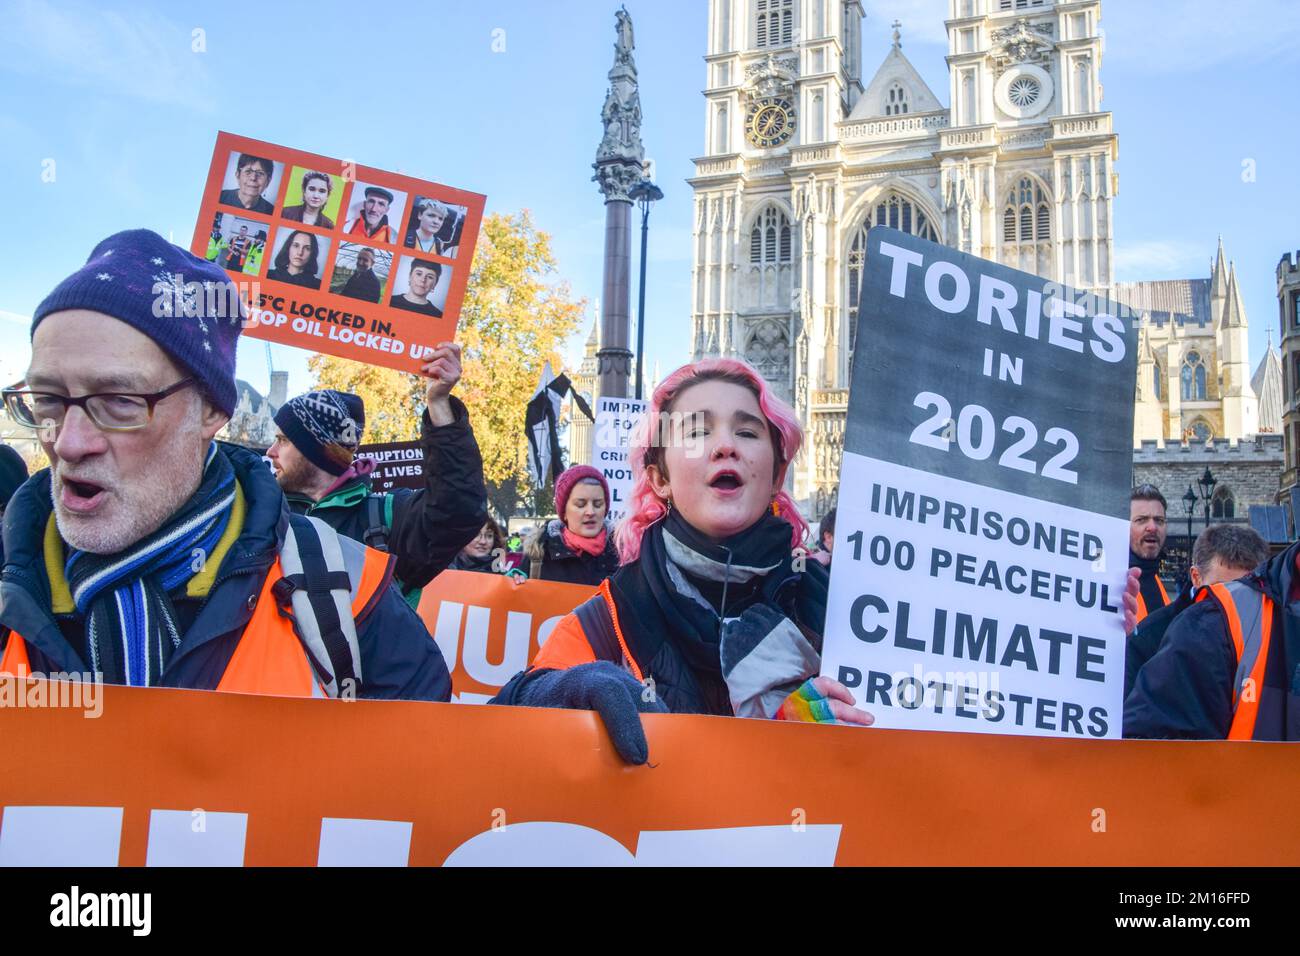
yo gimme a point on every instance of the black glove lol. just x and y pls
(606, 688)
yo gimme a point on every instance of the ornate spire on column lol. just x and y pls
(620, 156)
(619, 167)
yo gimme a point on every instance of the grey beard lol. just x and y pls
(137, 511)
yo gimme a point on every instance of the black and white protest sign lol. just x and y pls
(398, 464)
(615, 418)
(981, 540)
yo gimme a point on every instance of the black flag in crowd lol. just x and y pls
(541, 422)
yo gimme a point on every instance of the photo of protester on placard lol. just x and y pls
(299, 256)
(237, 244)
(373, 211)
(312, 198)
(434, 227)
(361, 272)
(249, 181)
(421, 285)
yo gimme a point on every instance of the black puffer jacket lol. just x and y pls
(1185, 691)
(546, 556)
(1147, 637)
(430, 526)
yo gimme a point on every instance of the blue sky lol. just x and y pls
(114, 95)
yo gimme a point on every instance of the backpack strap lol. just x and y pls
(379, 524)
(322, 575)
(379, 520)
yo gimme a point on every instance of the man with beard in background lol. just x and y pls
(1148, 528)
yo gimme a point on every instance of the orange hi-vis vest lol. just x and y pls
(570, 643)
(1249, 614)
(271, 656)
(385, 233)
(1142, 604)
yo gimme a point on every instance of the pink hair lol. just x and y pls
(646, 507)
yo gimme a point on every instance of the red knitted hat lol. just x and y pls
(570, 477)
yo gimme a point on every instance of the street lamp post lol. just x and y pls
(646, 194)
(1207, 483)
(1189, 504)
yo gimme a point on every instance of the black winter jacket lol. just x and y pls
(559, 562)
(1185, 690)
(429, 526)
(1147, 636)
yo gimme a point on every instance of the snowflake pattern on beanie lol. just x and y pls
(188, 307)
(323, 414)
(325, 426)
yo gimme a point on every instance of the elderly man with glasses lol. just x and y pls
(149, 554)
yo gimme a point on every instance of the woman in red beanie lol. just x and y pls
(577, 547)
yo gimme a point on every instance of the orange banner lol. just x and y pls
(335, 257)
(175, 777)
(489, 626)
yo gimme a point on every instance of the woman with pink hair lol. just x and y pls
(715, 609)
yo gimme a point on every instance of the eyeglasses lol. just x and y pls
(110, 411)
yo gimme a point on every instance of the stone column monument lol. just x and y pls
(618, 168)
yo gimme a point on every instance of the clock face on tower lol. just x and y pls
(770, 122)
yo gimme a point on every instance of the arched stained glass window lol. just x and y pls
(1029, 206)
(1224, 503)
(1193, 377)
(896, 212)
(770, 239)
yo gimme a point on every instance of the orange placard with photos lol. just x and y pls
(331, 256)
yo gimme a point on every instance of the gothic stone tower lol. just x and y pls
(1194, 380)
(801, 159)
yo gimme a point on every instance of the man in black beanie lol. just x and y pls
(316, 463)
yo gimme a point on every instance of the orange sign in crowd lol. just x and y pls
(335, 257)
(489, 626)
